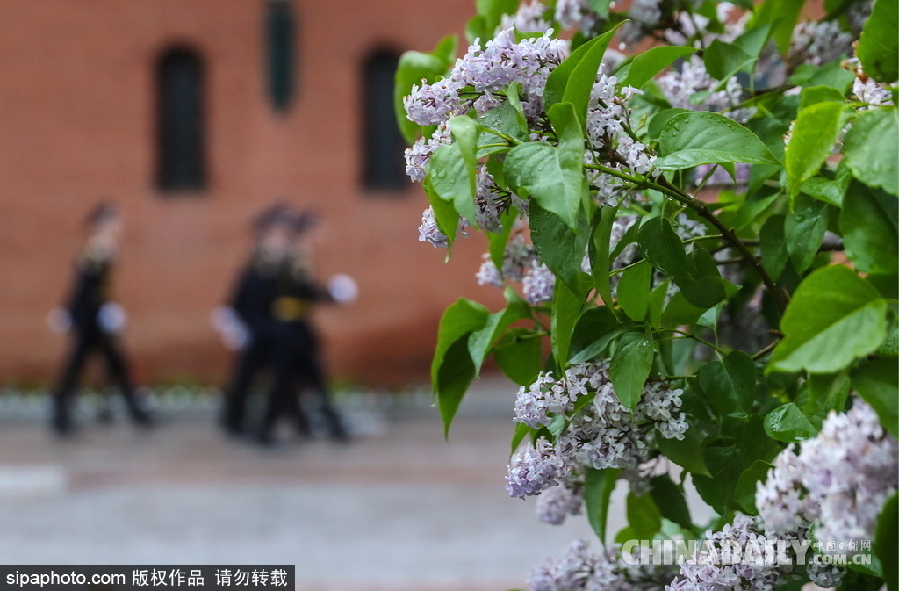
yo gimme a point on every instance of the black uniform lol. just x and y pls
(297, 360)
(90, 293)
(253, 302)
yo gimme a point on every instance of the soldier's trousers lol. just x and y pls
(297, 363)
(86, 343)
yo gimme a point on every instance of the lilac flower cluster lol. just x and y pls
(538, 285)
(839, 479)
(534, 469)
(603, 433)
(817, 43)
(485, 71)
(529, 18)
(518, 260)
(557, 503)
(706, 571)
(680, 86)
(872, 93)
(603, 570)
(720, 176)
(576, 13)
(608, 131)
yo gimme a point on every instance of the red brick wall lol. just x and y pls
(76, 124)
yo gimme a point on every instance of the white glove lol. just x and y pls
(111, 318)
(343, 289)
(233, 331)
(59, 320)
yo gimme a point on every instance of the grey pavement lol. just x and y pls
(397, 509)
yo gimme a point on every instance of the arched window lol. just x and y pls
(383, 164)
(280, 32)
(180, 149)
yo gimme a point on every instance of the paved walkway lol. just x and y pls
(398, 509)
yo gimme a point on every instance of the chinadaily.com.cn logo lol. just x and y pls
(757, 552)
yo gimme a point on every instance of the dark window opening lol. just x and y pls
(281, 45)
(383, 146)
(180, 158)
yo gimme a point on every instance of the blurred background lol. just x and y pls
(192, 116)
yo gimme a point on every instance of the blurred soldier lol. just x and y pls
(248, 324)
(297, 356)
(94, 320)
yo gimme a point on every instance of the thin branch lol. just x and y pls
(766, 350)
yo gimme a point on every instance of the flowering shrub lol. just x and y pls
(698, 248)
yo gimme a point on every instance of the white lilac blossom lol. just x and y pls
(644, 16)
(817, 43)
(518, 260)
(720, 176)
(529, 18)
(601, 570)
(680, 86)
(429, 232)
(534, 469)
(604, 433)
(608, 131)
(418, 155)
(839, 479)
(575, 13)
(538, 284)
(825, 575)
(487, 70)
(711, 570)
(557, 503)
(872, 93)
(488, 274)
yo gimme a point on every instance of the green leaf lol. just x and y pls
(458, 321)
(657, 124)
(670, 500)
(449, 173)
(565, 312)
(782, 15)
(877, 382)
(630, 367)
(686, 452)
(831, 74)
(598, 487)
(414, 66)
(600, 7)
(634, 289)
(872, 153)
(521, 431)
(506, 119)
(552, 175)
(834, 318)
(453, 377)
(499, 240)
(600, 257)
(492, 12)
(788, 424)
(753, 41)
(481, 340)
(730, 384)
(804, 230)
(595, 329)
(652, 61)
(708, 288)
(643, 516)
(820, 94)
(868, 222)
(557, 244)
(519, 354)
(828, 190)
(773, 244)
(679, 311)
(815, 132)
(694, 138)
(744, 494)
(723, 60)
(663, 248)
(878, 47)
(572, 81)
(725, 468)
(886, 542)
(445, 213)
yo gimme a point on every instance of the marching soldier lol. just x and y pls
(95, 321)
(248, 325)
(297, 356)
